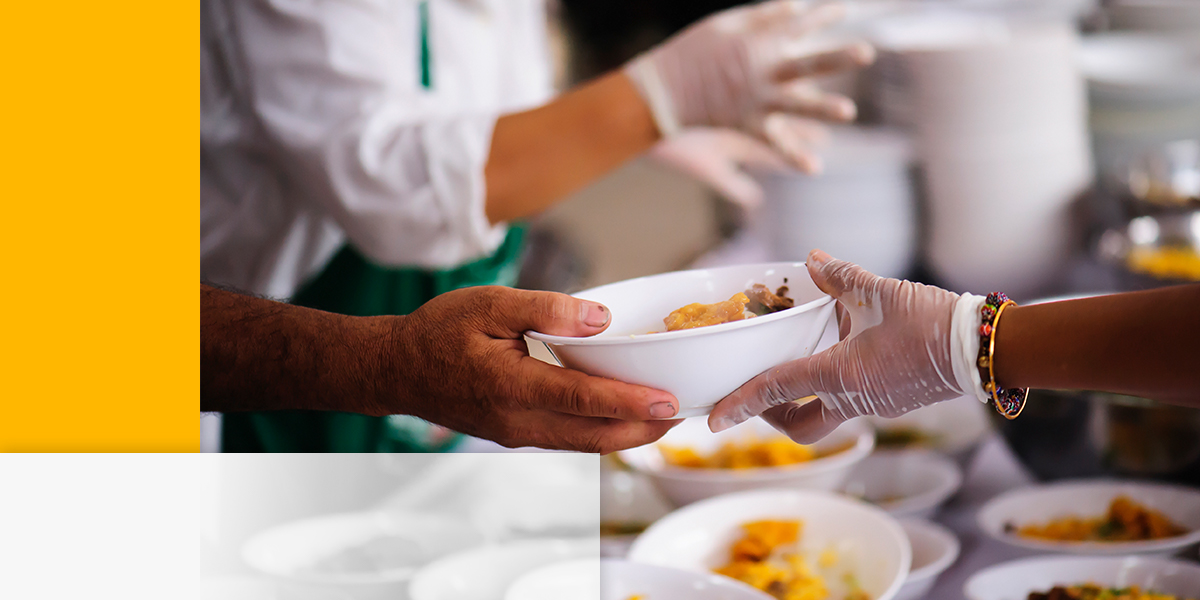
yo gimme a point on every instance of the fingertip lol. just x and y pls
(818, 257)
(863, 53)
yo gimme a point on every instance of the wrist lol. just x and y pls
(377, 374)
(643, 75)
(964, 346)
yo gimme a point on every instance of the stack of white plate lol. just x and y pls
(998, 111)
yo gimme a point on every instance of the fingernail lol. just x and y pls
(722, 423)
(662, 410)
(594, 315)
(818, 257)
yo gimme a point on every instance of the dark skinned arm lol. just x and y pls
(1143, 344)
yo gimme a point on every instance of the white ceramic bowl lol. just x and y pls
(620, 580)
(954, 427)
(702, 365)
(912, 483)
(301, 552)
(683, 486)
(934, 549)
(698, 537)
(1016, 579)
(486, 573)
(1041, 503)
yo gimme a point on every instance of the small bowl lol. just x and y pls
(486, 573)
(913, 483)
(954, 428)
(703, 365)
(697, 538)
(934, 549)
(1016, 579)
(683, 486)
(1042, 503)
(301, 553)
(619, 580)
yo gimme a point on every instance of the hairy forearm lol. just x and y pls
(1143, 344)
(540, 156)
(257, 354)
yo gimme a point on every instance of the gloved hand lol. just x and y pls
(739, 67)
(716, 156)
(908, 345)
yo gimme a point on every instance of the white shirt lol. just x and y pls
(315, 130)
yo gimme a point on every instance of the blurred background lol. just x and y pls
(1041, 148)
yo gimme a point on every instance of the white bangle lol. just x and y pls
(964, 346)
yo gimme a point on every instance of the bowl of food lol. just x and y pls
(1096, 517)
(785, 542)
(700, 334)
(623, 580)
(486, 573)
(954, 428)
(934, 549)
(1086, 578)
(911, 483)
(365, 554)
(691, 463)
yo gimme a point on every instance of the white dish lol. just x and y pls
(911, 483)
(954, 427)
(697, 538)
(1016, 579)
(683, 486)
(702, 365)
(1042, 503)
(934, 549)
(620, 580)
(369, 554)
(486, 573)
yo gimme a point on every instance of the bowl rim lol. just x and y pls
(601, 340)
(951, 548)
(891, 525)
(1088, 548)
(1069, 558)
(950, 480)
(863, 444)
(421, 580)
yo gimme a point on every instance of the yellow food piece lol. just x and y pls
(1126, 521)
(702, 315)
(1091, 591)
(1171, 262)
(766, 559)
(745, 454)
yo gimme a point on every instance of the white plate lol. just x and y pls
(486, 573)
(1015, 580)
(910, 483)
(934, 549)
(697, 538)
(1042, 503)
(699, 366)
(620, 580)
(682, 486)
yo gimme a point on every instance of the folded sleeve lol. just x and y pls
(336, 87)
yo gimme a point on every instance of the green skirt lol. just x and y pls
(352, 285)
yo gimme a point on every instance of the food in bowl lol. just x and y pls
(897, 438)
(756, 301)
(1165, 262)
(1091, 591)
(747, 453)
(1125, 521)
(769, 559)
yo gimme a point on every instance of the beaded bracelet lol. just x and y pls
(1008, 402)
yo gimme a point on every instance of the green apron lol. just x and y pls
(351, 285)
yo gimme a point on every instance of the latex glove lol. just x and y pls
(717, 157)
(908, 345)
(741, 66)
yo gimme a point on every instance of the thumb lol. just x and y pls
(514, 312)
(837, 277)
(778, 385)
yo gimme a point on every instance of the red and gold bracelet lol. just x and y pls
(1008, 402)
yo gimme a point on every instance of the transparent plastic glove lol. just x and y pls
(908, 345)
(718, 156)
(740, 66)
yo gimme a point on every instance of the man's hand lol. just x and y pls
(463, 361)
